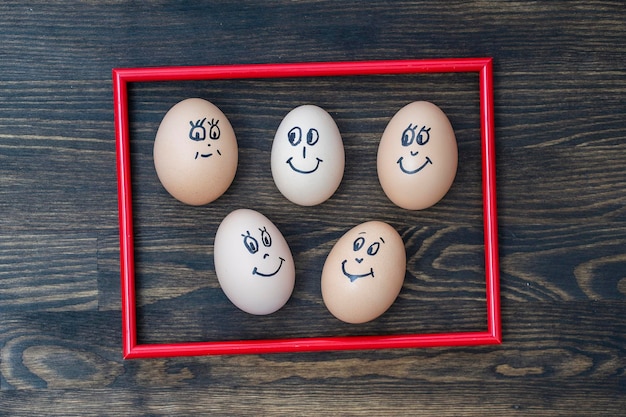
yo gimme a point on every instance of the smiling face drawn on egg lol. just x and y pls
(198, 133)
(414, 141)
(307, 158)
(253, 262)
(355, 270)
(269, 266)
(364, 272)
(417, 156)
(302, 164)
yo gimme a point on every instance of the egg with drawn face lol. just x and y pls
(195, 152)
(417, 156)
(307, 158)
(364, 272)
(253, 262)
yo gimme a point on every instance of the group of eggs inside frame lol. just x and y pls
(196, 155)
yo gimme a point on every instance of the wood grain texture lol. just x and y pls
(49, 272)
(560, 107)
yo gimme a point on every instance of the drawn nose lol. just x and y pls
(414, 153)
(303, 152)
(359, 260)
(266, 255)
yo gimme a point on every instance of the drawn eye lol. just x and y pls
(214, 131)
(408, 135)
(250, 243)
(197, 132)
(373, 249)
(312, 137)
(358, 243)
(295, 135)
(265, 237)
(423, 136)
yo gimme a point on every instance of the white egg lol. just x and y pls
(307, 158)
(253, 262)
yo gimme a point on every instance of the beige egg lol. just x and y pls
(195, 152)
(417, 156)
(364, 272)
(253, 262)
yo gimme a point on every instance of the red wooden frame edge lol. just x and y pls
(122, 76)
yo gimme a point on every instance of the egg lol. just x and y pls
(417, 156)
(307, 158)
(364, 272)
(195, 152)
(253, 262)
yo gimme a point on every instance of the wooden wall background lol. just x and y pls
(560, 107)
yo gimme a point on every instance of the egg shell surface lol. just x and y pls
(364, 272)
(417, 156)
(253, 262)
(195, 152)
(307, 158)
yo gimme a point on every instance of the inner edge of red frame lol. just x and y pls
(122, 76)
(490, 219)
(127, 263)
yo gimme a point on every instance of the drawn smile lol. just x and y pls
(354, 277)
(255, 271)
(408, 171)
(205, 155)
(319, 161)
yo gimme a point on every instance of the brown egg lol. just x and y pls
(417, 156)
(195, 152)
(364, 272)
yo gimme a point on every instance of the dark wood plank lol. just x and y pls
(583, 347)
(555, 353)
(483, 399)
(48, 272)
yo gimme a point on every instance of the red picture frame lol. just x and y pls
(123, 76)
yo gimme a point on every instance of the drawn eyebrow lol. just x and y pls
(382, 240)
(362, 233)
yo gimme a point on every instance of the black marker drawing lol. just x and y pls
(421, 138)
(198, 134)
(265, 237)
(295, 137)
(413, 171)
(357, 245)
(252, 245)
(255, 271)
(214, 130)
(312, 136)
